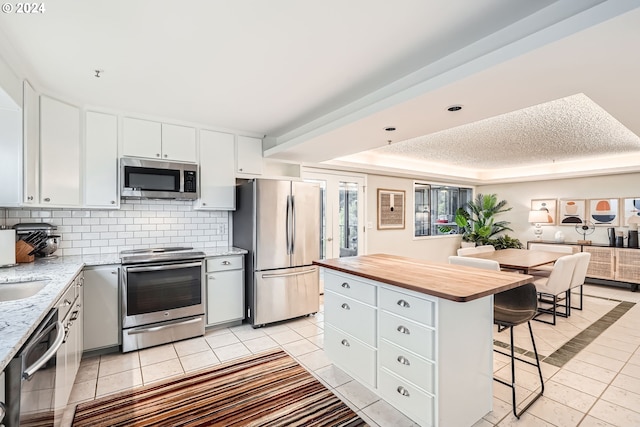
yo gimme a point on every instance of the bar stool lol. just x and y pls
(512, 308)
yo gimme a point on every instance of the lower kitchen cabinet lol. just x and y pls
(70, 313)
(412, 349)
(101, 320)
(225, 289)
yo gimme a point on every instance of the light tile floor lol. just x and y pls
(598, 386)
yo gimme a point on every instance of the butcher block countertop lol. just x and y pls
(452, 282)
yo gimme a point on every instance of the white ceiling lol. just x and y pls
(321, 79)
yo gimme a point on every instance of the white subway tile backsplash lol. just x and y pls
(137, 224)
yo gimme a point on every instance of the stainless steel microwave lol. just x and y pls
(152, 179)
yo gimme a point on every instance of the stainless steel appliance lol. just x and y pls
(278, 223)
(152, 179)
(31, 376)
(161, 297)
(40, 235)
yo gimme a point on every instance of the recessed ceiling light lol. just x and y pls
(389, 128)
(454, 108)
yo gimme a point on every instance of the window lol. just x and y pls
(435, 208)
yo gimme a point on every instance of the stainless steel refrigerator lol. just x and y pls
(278, 222)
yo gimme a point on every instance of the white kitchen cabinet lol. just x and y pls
(31, 145)
(178, 143)
(225, 289)
(101, 320)
(160, 141)
(249, 155)
(101, 161)
(412, 348)
(11, 149)
(59, 153)
(70, 308)
(217, 175)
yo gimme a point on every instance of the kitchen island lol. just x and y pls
(417, 333)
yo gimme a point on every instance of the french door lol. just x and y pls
(341, 213)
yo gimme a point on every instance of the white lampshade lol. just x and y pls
(538, 217)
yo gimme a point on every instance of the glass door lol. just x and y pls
(341, 213)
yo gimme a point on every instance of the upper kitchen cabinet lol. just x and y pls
(11, 149)
(217, 177)
(161, 141)
(31, 145)
(248, 156)
(59, 153)
(101, 160)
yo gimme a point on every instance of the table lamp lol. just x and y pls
(538, 217)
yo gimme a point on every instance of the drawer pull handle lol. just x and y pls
(346, 285)
(403, 391)
(403, 330)
(403, 303)
(226, 263)
(403, 360)
(345, 306)
(345, 343)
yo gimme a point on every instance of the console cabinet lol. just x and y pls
(610, 263)
(412, 349)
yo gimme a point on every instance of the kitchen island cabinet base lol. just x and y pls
(431, 358)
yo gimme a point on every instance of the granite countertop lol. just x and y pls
(19, 318)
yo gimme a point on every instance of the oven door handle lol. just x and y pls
(50, 353)
(162, 267)
(159, 328)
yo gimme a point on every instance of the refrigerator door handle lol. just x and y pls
(293, 224)
(288, 225)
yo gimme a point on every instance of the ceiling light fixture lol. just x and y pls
(389, 128)
(454, 108)
(98, 72)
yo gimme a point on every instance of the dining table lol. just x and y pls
(520, 259)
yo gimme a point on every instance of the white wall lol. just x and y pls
(519, 195)
(402, 242)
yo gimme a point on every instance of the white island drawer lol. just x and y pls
(409, 399)
(408, 334)
(419, 309)
(407, 365)
(351, 316)
(350, 287)
(350, 354)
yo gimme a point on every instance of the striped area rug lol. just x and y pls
(268, 389)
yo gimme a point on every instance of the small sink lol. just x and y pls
(19, 290)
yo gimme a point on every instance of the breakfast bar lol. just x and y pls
(417, 333)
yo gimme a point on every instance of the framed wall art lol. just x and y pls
(391, 207)
(571, 212)
(630, 213)
(547, 205)
(603, 212)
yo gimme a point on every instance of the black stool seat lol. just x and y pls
(511, 308)
(515, 306)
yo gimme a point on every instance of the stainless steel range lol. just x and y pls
(162, 296)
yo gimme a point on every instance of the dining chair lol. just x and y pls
(467, 251)
(511, 308)
(545, 270)
(556, 288)
(485, 248)
(580, 273)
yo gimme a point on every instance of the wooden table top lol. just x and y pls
(455, 283)
(520, 259)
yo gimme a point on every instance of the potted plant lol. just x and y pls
(476, 220)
